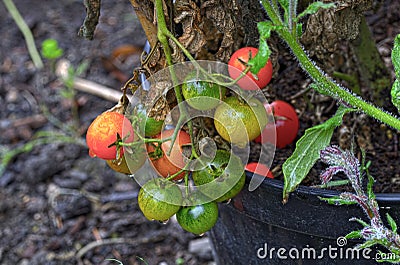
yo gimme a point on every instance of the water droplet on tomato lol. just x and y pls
(91, 154)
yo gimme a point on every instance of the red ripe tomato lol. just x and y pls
(102, 134)
(260, 169)
(166, 165)
(237, 64)
(286, 125)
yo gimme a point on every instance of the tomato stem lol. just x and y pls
(163, 34)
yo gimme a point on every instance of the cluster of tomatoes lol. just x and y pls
(112, 137)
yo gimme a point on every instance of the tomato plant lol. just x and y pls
(237, 64)
(159, 199)
(286, 125)
(238, 121)
(164, 164)
(230, 179)
(198, 219)
(103, 133)
(202, 95)
(260, 169)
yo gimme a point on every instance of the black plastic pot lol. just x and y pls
(256, 228)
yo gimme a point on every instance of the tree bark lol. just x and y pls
(209, 29)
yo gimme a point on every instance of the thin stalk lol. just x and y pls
(274, 4)
(202, 70)
(163, 34)
(322, 79)
(30, 42)
(292, 15)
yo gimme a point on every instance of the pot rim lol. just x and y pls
(307, 190)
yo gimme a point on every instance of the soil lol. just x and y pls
(58, 205)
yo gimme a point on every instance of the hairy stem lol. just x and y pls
(327, 84)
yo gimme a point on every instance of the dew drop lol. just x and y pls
(91, 154)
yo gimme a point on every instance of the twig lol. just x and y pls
(131, 241)
(30, 42)
(35, 121)
(91, 19)
(120, 196)
(86, 85)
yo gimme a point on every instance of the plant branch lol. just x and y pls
(87, 86)
(30, 42)
(163, 34)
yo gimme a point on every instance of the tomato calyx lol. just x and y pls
(279, 117)
(239, 62)
(217, 172)
(246, 65)
(157, 153)
(166, 165)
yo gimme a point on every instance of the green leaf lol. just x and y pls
(313, 8)
(336, 200)
(50, 49)
(333, 183)
(260, 60)
(82, 67)
(353, 234)
(395, 93)
(265, 28)
(299, 29)
(396, 56)
(370, 192)
(368, 243)
(361, 222)
(307, 151)
(391, 222)
(67, 93)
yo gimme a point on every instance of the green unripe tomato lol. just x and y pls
(240, 121)
(149, 126)
(202, 95)
(222, 178)
(198, 219)
(159, 199)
